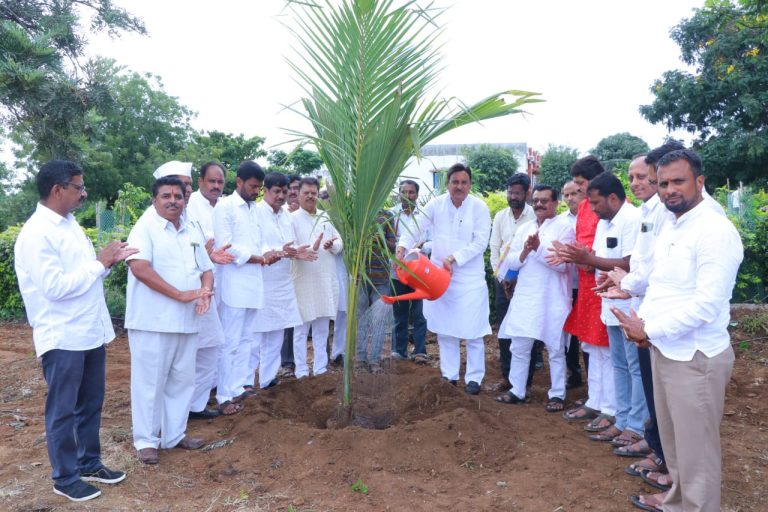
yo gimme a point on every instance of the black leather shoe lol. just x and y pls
(472, 388)
(205, 414)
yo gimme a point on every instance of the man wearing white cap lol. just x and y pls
(180, 170)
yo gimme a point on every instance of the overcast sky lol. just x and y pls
(593, 61)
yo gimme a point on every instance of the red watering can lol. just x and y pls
(428, 280)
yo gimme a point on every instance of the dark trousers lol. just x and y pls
(501, 303)
(572, 351)
(286, 352)
(75, 381)
(651, 427)
(405, 312)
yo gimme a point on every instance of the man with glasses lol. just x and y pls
(60, 279)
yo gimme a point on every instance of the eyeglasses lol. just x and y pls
(79, 188)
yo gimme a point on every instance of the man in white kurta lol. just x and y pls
(211, 336)
(280, 309)
(316, 282)
(460, 225)
(241, 284)
(542, 298)
(170, 284)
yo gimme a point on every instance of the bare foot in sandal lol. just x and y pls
(229, 408)
(555, 405)
(649, 502)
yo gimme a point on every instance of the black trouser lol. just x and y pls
(286, 352)
(501, 304)
(651, 427)
(572, 351)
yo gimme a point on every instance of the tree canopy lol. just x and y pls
(299, 161)
(491, 167)
(724, 99)
(556, 165)
(619, 146)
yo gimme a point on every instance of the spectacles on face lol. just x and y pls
(79, 188)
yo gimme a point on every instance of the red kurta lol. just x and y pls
(584, 321)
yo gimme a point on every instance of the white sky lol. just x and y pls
(593, 61)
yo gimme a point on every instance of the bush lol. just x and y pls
(11, 303)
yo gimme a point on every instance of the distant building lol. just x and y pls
(438, 157)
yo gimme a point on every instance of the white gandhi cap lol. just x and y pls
(173, 168)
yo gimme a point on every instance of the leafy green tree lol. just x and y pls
(45, 95)
(556, 165)
(724, 100)
(367, 70)
(299, 161)
(491, 167)
(619, 146)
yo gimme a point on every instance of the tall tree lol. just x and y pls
(724, 100)
(299, 161)
(556, 165)
(45, 95)
(491, 167)
(619, 146)
(367, 72)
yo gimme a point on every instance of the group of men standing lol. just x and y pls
(216, 283)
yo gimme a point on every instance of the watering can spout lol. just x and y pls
(428, 280)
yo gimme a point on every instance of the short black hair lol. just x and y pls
(653, 156)
(250, 169)
(410, 182)
(606, 184)
(292, 178)
(540, 188)
(207, 165)
(55, 172)
(519, 178)
(588, 167)
(688, 155)
(275, 179)
(311, 181)
(167, 180)
(458, 167)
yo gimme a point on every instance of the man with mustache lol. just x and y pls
(505, 224)
(60, 279)
(170, 284)
(287, 365)
(542, 298)
(684, 321)
(211, 336)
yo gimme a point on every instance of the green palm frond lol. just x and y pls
(366, 68)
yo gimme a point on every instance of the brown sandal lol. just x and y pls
(627, 438)
(649, 502)
(606, 435)
(638, 449)
(650, 463)
(602, 422)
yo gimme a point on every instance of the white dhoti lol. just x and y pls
(234, 362)
(209, 342)
(521, 359)
(320, 328)
(162, 380)
(600, 382)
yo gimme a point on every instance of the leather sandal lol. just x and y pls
(627, 438)
(650, 463)
(606, 435)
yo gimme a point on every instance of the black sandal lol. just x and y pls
(555, 405)
(510, 398)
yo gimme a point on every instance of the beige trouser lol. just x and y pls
(689, 406)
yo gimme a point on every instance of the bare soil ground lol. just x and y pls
(444, 450)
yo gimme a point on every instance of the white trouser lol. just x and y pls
(206, 366)
(254, 358)
(162, 382)
(339, 335)
(521, 360)
(320, 328)
(234, 373)
(450, 358)
(270, 344)
(600, 382)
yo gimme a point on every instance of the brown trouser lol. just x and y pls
(689, 407)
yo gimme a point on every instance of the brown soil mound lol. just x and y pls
(428, 446)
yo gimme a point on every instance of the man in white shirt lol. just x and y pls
(287, 365)
(316, 282)
(199, 212)
(684, 319)
(280, 309)
(240, 285)
(542, 298)
(408, 311)
(60, 279)
(460, 225)
(170, 284)
(503, 230)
